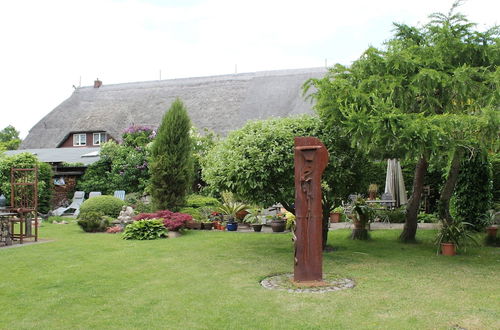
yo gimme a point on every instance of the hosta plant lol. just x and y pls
(147, 229)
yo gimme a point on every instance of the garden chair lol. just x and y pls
(94, 194)
(120, 194)
(78, 199)
(390, 201)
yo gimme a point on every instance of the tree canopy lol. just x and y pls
(9, 138)
(428, 91)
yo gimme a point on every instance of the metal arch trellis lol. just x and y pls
(24, 202)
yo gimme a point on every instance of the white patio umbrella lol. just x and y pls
(394, 183)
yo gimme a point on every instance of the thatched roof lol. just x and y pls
(219, 103)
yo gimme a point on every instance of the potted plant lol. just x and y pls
(361, 216)
(372, 191)
(229, 210)
(490, 223)
(336, 214)
(254, 218)
(278, 223)
(290, 221)
(452, 236)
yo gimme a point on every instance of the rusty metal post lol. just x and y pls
(311, 159)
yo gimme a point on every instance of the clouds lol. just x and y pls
(48, 45)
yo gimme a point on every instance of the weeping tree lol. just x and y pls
(430, 91)
(171, 165)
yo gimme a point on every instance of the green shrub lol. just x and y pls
(147, 229)
(473, 191)
(195, 213)
(427, 218)
(92, 221)
(393, 216)
(107, 205)
(201, 201)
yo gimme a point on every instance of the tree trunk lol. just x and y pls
(449, 187)
(411, 223)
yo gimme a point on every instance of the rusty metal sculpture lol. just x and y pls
(311, 159)
(24, 202)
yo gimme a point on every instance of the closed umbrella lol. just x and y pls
(394, 183)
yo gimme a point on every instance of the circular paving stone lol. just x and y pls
(284, 282)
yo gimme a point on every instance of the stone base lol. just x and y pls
(284, 282)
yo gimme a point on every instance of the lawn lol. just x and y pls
(210, 280)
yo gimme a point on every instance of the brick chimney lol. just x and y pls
(97, 83)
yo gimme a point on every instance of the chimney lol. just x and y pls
(97, 83)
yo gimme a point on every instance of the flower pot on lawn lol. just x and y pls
(278, 226)
(448, 249)
(232, 226)
(335, 217)
(257, 228)
(492, 231)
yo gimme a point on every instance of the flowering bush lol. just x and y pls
(171, 220)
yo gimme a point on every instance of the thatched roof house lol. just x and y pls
(219, 103)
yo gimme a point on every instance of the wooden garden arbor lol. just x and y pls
(24, 202)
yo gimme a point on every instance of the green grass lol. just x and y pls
(210, 280)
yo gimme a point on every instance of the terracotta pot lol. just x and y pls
(448, 249)
(278, 226)
(335, 217)
(492, 231)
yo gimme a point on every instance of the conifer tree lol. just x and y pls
(171, 159)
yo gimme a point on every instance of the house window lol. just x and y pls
(99, 138)
(79, 139)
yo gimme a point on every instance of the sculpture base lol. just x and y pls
(309, 284)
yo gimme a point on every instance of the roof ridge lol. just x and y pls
(200, 79)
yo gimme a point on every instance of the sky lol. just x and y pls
(50, 47)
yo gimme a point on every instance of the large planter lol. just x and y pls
(335, 217)
(278, 226)
(207, 225)
(232, 226)
(491, 231)
(193, 225)
(257, 228)
(448, 249)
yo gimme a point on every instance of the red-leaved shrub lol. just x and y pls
(171, 220)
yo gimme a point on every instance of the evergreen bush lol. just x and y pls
(107, 205)
(93, 221)
(171, 164)
(473, 193)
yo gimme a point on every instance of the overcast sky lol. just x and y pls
(49, 46)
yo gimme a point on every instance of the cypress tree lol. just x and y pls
(171, 159)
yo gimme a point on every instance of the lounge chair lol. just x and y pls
(120, 194)
(94, 194)
(78, 199)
